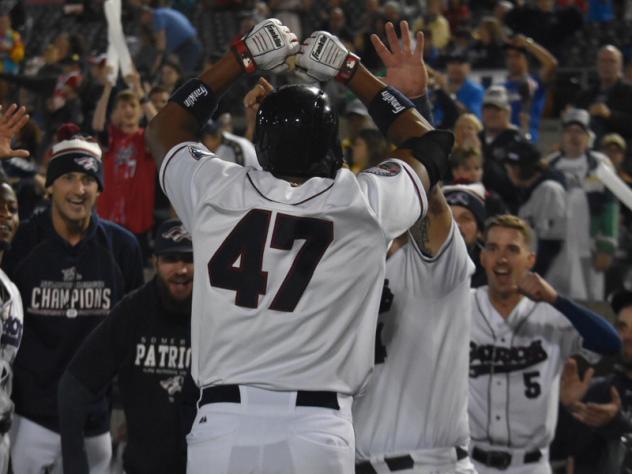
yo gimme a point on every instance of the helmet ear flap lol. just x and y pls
(296, 133)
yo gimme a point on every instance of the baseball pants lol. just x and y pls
(266, 432)
(37, 450)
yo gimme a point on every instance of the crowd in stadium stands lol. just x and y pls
(538, 93)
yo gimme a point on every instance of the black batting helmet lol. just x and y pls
(296, 133)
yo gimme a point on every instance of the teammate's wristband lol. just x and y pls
(386, 106)
(197, 98)
(348, 69)
(243, 55)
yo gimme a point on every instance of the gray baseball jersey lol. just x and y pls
(287, 278)
(515, 369)
(417, 396)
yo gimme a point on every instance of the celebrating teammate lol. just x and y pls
(522, 333)
(282, 340)
(399, 424)
(70, 267)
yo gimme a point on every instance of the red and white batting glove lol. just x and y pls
(323, 57)
(266, 47)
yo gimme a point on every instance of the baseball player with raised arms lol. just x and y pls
(282, 334)
(412, 416)
(522, 333)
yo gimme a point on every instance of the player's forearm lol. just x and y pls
(175, 124)
(407, 125)
(597, 333)
(432, 231)
(73, 402)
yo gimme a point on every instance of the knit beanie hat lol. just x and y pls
(75, 155)
(470, 197)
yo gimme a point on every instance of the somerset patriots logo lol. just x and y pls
(177, 234)
(88, 163)
(388, 168)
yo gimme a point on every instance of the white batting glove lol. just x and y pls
(266, 47)
(323, 57)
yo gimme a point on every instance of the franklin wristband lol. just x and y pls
(386, 106)
(243, 55)
(197, 98)
(348, 68)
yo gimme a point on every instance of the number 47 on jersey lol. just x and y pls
(247, 243)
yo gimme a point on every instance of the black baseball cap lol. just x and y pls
(171, 237)
(620, 299)
(522, 153)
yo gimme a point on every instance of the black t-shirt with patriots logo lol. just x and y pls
(149, 348)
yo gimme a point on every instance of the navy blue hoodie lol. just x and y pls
(66, 291)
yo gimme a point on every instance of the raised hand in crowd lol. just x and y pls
(573, 388)
(598, 414)
(135, 83)
(11, 121)
(405, 68)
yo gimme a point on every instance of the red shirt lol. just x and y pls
(129, 181)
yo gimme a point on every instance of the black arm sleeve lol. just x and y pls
(88, 376)
(547, 251)
(74, 400)
(99, 358)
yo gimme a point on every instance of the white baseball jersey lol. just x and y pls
(287, 278)
(238, 150)
(416, 397)
(11, 318)
(515, 368)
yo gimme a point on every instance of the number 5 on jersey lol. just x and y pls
(247, 242)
